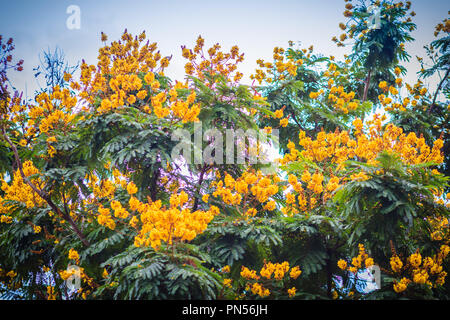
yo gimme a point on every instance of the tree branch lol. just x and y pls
(439, 89)
(45, 196)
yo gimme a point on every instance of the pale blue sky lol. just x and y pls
(256, 26)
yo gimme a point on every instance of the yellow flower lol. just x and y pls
(335, 295)
(67, 76)
(131, 99)
(284, 122)
(393, 91)
(278, 114)
(141, 94)
(205, 198)
(248, 274)
(306, 176)
(369, 262)
(271, 205)
(382, 85)
(105, 105)
(314, 95)
(402, 285)
(11, 274)
(51, 139)
(104, 37)
(23, 143)
(155, 85)
(268, 130)
(251, 212)
(51, 293)
(131, 188)
(356, 262)
(295, 272)
(415, 260)
(226, 269)
(259, 290)
(5, 219)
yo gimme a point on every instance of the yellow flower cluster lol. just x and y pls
(401, 285)
(248, 274)
(172, 224)
(253, 187)
(103, 192)
(131, 188)
(277, 269)
(227, 283)
(116, 72)
(441, 229)
(7, 279)
(278, 114)
(361, 261)
(337, 147)
(420, 270)
(5, 219)
(212, 62)
(79, 272)
(73, 255)
(396, 264)
(310, 190)
(182, 110)
(11, 274)
(225, 269)
(304, 194)
(21, 191)
(106, 188)
(117, 81)
(391, 99)
(362, 29)
(53, 110)
(269, 271)
(444, 26)
(104, 218)
(66, 274)
(278, 70)
(259, 290)
(335, 96)
(119, 211)
(51, 294)
(292, 292)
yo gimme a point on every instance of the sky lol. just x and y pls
(256, 26)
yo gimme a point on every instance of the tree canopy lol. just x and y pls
(91, 189)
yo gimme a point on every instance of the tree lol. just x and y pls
(91, 188)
